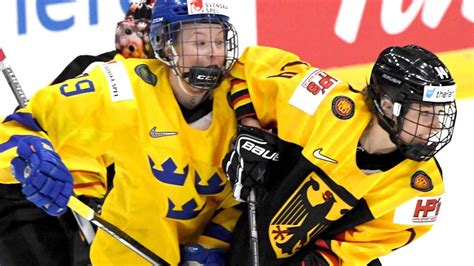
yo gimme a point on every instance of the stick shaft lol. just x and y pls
(89, 214)
(252, 209)
(12, 81)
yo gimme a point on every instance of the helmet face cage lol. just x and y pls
(422, 129)
(422, 92)
(221, 45)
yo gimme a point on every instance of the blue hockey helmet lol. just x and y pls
(168, 19)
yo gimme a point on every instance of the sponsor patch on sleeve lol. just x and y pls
(311, 91)
(418, 211)
(118, 80)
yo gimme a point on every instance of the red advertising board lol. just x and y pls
(330, 33)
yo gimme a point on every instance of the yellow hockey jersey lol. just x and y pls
(325, 203)
(86, 182)
(169, 188)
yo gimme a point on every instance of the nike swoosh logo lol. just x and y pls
(155, 134)
(317, 154)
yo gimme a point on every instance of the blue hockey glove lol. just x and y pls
(192, 254)
(45, 179)
(247, 164)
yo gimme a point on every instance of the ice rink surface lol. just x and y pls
(450, 240)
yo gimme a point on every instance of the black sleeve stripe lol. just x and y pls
(287, 75)
(238, 94)
(294, 63)
(245, 111)
(412, 237)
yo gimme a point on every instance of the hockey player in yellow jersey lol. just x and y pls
(356, 176)
(166, 125)
(23, 238)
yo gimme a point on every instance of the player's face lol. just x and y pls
(420, 123)
(201, 44)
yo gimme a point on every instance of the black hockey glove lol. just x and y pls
(246, 165)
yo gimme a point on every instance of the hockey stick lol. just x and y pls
(13, 81)
(252, 210)
(84, 225)
(75, 204)
(88, 213)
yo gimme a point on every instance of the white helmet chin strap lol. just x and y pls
(176, 72)
(193, 98)
(182, 86)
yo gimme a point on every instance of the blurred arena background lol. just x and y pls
(40, 37)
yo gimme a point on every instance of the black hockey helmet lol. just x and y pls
(422, 92)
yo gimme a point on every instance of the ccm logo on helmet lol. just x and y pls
(262, 152)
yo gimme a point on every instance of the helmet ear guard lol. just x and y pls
(419, 86)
